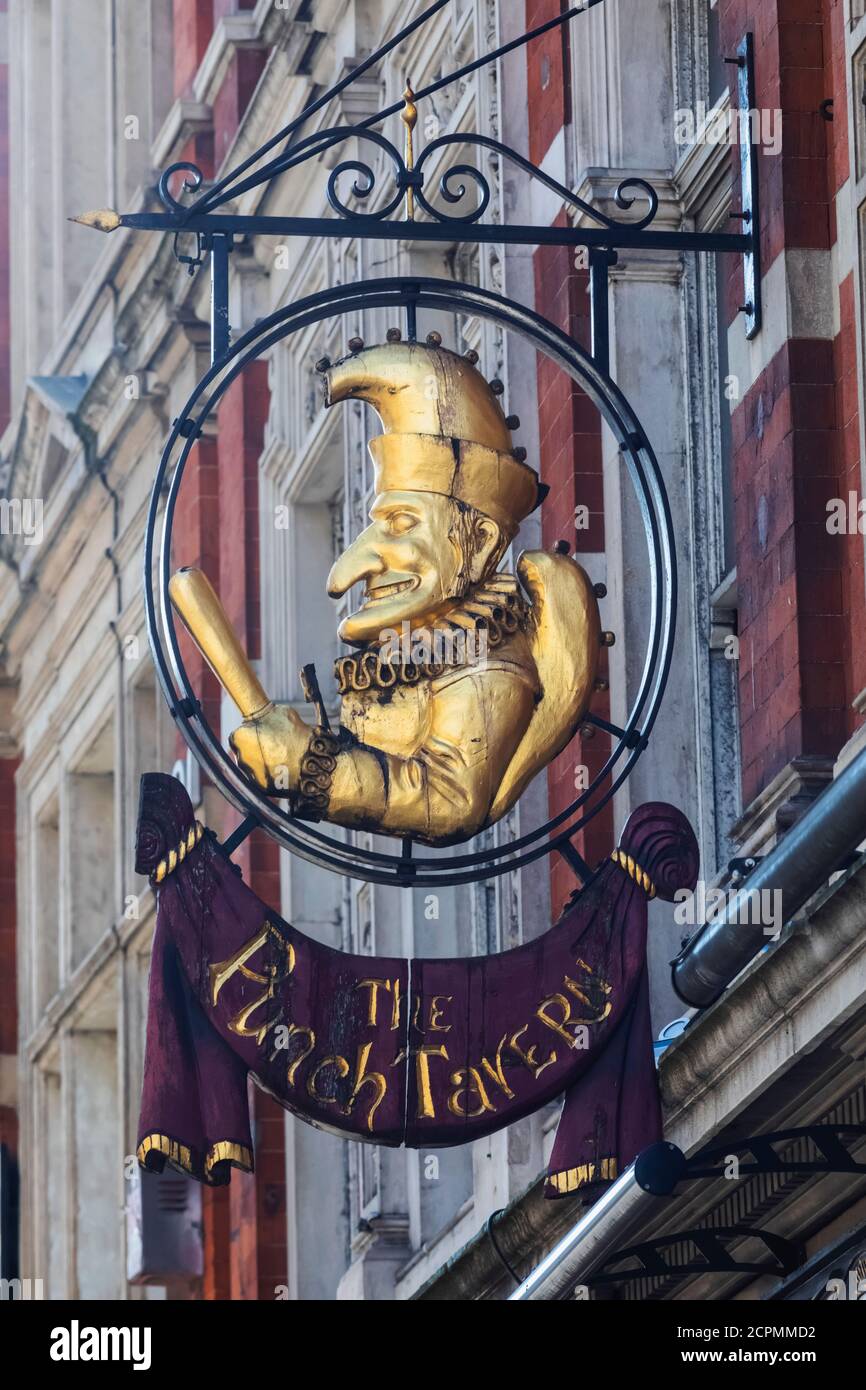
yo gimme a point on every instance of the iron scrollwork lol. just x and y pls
(364, 186)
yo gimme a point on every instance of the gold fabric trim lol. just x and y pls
(495, 608)
(173, 1152)
(224, 1151)
(176, 856)
(318, 765)
(570, 1179)
(634, 871)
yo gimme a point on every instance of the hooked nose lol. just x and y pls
(358, 562)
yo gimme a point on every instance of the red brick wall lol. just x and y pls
(233, 97)
(217, 526)
(548, 73)
(196, 542)
(256, 1224)
(192, 29)
(569, 426)
(796, 431)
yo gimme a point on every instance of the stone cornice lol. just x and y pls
(702, 176)
(233, 31)
(185, 119)
(779, 1008)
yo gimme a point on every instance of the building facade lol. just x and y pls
(760, 444)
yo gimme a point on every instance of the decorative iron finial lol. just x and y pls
(102, 220)
(409, 117)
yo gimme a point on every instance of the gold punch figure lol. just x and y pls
(465, 681)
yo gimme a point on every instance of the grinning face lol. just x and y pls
(414, 561)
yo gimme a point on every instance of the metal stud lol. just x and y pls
(513, 422)
(323, 364)
(561, 548)
(520, 454)
(356, 344)
(608, 639)
(496, 386)
(393, 335)
(434, 339)
(471, 356)
(600, 590)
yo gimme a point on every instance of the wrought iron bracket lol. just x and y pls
(743, 867)
(715, 1257)
(712, 1162)
(664, 1173)
(747, 112)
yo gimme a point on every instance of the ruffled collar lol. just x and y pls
(487, 616)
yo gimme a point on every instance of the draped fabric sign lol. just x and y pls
(419, 1052)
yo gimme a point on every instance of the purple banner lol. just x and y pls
(419, 1052)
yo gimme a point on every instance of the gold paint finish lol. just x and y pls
(101, 220)
(416, 389)
(409, 117)
(467, 681)
(570, 1179)
(634, 871)
(177, 856)
(197, 603)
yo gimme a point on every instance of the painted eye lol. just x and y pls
(401, 522)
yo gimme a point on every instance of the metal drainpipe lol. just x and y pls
(831, 829)
(606, 1226)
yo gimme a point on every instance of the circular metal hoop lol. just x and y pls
(301, 837)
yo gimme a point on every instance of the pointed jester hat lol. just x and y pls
(444, 429)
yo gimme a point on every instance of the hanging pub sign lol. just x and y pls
(464, 681)
(460, 682)
(416, 1052)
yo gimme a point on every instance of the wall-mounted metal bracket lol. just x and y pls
(220, 246)
(715, 1258)
(749, 211)
(712, 1162)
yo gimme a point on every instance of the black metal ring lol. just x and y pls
(299, 836)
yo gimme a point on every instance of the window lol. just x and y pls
(46, 895)
(87, 823)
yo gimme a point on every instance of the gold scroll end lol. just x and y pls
(103, 219)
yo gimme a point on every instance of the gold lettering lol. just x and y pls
(373, 986)
(497, 1073)
(295, 1030)
(595, 999)
(422, 1055)
(393, 988)
(558, 1027)
(220, 973)
(340, 1065)
(368, 1078)
(464, 1081)
(528, 1058)
(436, 1012)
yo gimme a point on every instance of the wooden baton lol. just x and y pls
(198, 605)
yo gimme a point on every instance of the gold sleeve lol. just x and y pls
(445, 790)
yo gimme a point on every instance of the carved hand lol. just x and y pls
(269, 748)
